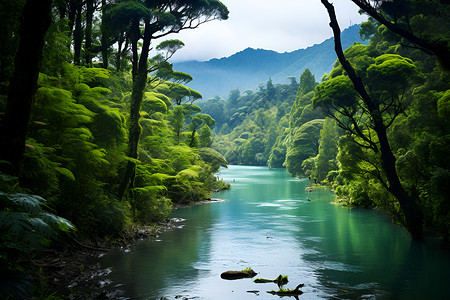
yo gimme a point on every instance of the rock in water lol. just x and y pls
(231, 275)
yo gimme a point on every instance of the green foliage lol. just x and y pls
(307, 83)
(412, 113)
(170, 46)
(120, 15)
(443, 106)
(182, 157)
(180, 93)
(79, 133)
(25, 223)
(155, 102)
(205, 136)
(326, 159)
(27, 226)
(392, 73)
(165, 70)
(253, 124)
(335, 92)
(150, 204)
(302, 144)
(56, 52)
(303, 98)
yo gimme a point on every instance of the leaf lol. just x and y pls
(27, 203)
(66, 173)
(150, 189)
(38, 225)
(160, 177)
(187, 173)
(13, 222)
(56, 222)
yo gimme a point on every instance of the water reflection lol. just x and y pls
(270, 225)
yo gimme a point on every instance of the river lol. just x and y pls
(269, 223)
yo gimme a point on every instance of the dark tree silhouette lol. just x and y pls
(35, 21)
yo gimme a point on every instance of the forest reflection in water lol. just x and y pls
(271, 224)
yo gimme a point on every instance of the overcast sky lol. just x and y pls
(280, 25)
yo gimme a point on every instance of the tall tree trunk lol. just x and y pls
(121, 48)
(36, 19)
(88, 32)
(413, 216)
(77, 37)
(134, 36)
(137, 95)
(73, 4)
(105, 56)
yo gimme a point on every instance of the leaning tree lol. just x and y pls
(365, 102)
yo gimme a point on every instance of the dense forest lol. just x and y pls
(98, 137)
(382, 142)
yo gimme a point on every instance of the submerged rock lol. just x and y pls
(232, 275)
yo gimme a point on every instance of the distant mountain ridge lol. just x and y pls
(248, 68)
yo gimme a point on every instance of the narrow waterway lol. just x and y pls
(269, 223)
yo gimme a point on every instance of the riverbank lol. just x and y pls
(74, 271)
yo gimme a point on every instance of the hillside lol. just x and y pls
(247, 68)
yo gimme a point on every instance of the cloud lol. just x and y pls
(282, 25)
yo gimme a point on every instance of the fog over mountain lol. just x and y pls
(250, 67)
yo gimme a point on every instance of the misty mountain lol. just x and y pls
(250, 67)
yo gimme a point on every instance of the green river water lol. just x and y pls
(269, 223)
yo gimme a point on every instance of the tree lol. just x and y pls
(247, 155)
(88, 32)
(159, 19)
(215, 108)
(399, 17)
(303, 143)
(307, 84)
(197, 121)
(205, 136)
(368, 117)
(326, 159)
(77, 8)
(214, 158)
(178, 119)
(36, 19)
(270, 90)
